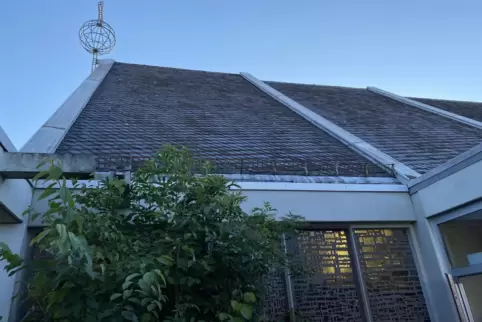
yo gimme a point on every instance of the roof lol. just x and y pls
(130, 111)
(472, 110)
(219, 117)
(417, 138)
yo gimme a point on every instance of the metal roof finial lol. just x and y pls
(97, 37)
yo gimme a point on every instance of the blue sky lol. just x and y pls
(421, 48)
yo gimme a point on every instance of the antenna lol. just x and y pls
(97, 37)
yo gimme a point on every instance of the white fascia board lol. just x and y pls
(49, 136)
(402, 172)
(319, 187)
(270, 186)
(259, 178)
(5, 142)
(426, 107)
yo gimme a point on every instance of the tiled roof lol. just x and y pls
(419, 139)
(220, 117)
(471, 110)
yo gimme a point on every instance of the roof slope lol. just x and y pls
(417, 138)
(472, 110)
(137, 109)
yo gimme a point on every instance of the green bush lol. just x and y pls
(170, 246)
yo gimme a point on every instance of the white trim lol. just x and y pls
(49, 136)
(403, 172)
(271, 186)
(310, 179)
(289, 186)
(5, 142)
(426, 107)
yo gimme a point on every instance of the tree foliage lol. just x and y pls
(170, 246)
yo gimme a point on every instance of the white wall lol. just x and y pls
(452, 191)
(341, 206)
(16, 194)
(336, 205)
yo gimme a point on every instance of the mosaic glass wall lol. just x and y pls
(326, 291)
(275, 302)
(390, 275)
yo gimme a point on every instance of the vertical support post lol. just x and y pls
(359, 275)
(289, 286)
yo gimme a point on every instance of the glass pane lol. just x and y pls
(390, 275)
(463, 240)
(472, 286)
(326, 291)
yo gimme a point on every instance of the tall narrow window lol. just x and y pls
(390, 275)
(326, 290)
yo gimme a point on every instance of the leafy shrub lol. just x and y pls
(169, 246)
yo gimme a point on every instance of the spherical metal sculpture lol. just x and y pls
(97, 36)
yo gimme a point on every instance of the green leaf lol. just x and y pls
(131, 276)
(126, 285)
(46, 193)
(55, 172)
(146, 317)
(134, 300)
(127, 293)
(40, 236)
(65, 195)
(249, 297)
(129, 316)
(165, 260)
(246, 311)
(144, 286)
(235, 305)
(80, 223)
(145, 300)
(223, 316)
(115, 296)
(151, 307)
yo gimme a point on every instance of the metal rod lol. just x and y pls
(100, 16)
(289, 286)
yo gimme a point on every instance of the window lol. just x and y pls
(352, 275)
(462, 240)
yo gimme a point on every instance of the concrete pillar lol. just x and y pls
(436, 289)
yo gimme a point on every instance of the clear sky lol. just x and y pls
(427, 48)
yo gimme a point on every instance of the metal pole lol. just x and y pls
(359, 275)
(289, 286)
